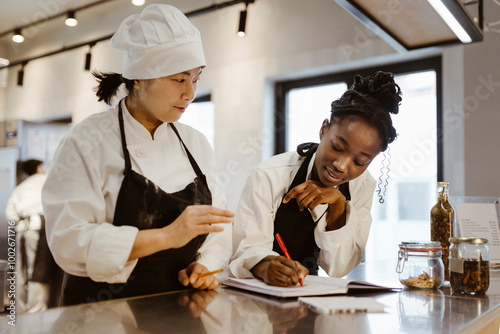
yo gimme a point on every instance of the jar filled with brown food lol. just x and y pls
(442, 216)
(420, 265)
(469, 266)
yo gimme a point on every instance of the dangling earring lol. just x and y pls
(383, 179)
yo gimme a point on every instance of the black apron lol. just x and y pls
(296, 227)
(46, 270)
(142, 204)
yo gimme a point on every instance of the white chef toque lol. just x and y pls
(160, 41)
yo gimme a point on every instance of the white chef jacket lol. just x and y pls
(253, 232)
(26, 201)
(85, 176)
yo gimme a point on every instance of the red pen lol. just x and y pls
(285, 251)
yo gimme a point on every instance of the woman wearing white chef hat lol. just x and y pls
(121, 191)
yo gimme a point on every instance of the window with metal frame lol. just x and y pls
(413, 162)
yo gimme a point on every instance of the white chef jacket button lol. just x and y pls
(140, 153)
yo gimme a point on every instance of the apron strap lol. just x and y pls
(128, 165)
(126, 155)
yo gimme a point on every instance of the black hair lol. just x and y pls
(109, 84)
(371, 99)
(30, 166)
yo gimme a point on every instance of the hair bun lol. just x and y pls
(382, 88)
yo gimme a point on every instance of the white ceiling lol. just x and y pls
(94, 22)
(22, 12)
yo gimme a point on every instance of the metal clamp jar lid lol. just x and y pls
(420, 265)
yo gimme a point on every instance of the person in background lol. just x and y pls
(319, 198)
(131, 199)
(25, 208)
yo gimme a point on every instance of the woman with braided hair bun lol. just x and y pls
(318, 198)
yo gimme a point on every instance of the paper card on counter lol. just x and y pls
(479, 220)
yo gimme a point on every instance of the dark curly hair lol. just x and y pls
(371, 99)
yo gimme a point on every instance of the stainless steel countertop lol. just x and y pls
(226, 310)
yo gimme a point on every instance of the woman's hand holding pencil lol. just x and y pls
(208, 273)
(198, 276)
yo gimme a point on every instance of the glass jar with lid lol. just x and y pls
(420, 265)
(469, 265)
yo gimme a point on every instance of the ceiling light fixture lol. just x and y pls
(88, 57)
(200, 11)
(20, 74)
(450, 20)
(138, 2)
(71, 20)
(17, 37)
(243, 20)
(411, 25)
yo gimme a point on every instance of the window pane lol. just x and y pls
(404, 215)
(409, 191)
(201, 116)
(307, 109)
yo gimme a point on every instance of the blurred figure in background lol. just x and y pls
(25, 208)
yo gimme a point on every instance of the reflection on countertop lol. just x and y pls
(228, 310)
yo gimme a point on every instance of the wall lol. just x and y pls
(285, 39)
(482, 110)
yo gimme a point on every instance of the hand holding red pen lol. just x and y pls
(285, 251)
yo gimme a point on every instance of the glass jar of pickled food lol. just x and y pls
(469, 265)
(442, 216)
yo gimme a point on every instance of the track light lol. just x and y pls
(138, 2)
(88, 57)
(17, 37)
(243, 21)
(20, 75)
(71, 20)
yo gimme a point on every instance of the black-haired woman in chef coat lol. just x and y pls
(319, 198)
(131, 202)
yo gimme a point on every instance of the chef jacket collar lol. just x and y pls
(138, 130)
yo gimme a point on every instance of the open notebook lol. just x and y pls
(313, 286)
